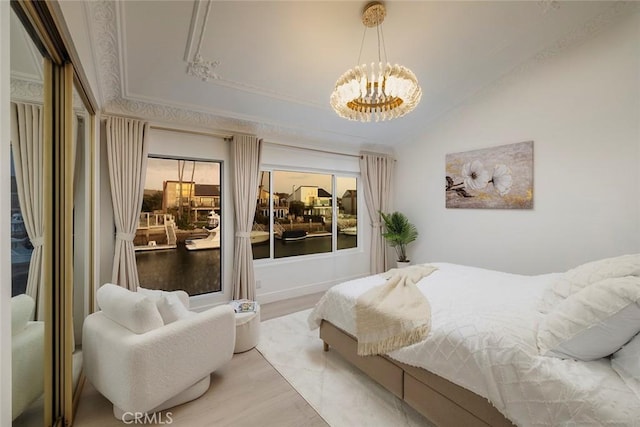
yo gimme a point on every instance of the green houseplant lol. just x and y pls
(398, 232)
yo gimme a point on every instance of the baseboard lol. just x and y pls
(302, 290)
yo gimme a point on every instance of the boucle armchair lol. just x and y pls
(146, 352)
(27, 355)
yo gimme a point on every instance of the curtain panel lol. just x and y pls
(246, 151)
(377, 172)
(27, 148)
(127, 151)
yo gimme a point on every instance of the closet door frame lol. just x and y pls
(62, 72)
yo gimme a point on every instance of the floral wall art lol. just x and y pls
(491, 178)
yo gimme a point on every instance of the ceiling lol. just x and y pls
(278, 61)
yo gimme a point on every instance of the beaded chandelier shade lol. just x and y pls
(379, 92)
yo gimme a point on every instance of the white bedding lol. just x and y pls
(483, 337)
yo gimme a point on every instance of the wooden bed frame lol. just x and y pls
(440, 401)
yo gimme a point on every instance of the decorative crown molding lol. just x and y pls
(32, 92)
(26, 91)
(203, 69)
(104, 31)
(104, 25)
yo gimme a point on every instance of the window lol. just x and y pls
(21, 247)
(347, 212)
(295, 214)
(178, 241)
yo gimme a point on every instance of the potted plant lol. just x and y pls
(399, 232)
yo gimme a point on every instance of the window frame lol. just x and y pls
(221, 163)
(335, 252)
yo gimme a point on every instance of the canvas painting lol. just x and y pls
(491, 178)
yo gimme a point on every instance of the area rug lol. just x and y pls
(339, 392)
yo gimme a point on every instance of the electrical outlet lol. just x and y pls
(258, 284)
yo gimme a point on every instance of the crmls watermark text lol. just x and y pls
(144, 418)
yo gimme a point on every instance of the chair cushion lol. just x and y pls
(22, 307)
(132, 310)
(171, 308)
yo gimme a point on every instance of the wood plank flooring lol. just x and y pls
(248, 391)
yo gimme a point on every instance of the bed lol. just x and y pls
(481, 364)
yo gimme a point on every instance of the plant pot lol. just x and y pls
(402, 264)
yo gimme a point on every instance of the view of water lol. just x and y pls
(198, 272)
(310, 245)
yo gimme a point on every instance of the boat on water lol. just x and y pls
(259, 236)
(214, 220)
(291, 235)
(350, 231)
(212, 241)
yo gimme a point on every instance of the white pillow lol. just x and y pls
(626, 362)
(153, 294)
(593, 322)
(586, 274)
(157, 294)
(132, 310)
(172, 309)
(22, 308)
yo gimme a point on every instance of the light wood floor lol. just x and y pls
(248, 391)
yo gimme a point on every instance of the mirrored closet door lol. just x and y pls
(52, 140)
(29, 347)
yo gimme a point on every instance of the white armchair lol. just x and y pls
(145, 364)
(27, 355)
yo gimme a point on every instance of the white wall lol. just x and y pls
(582, 110)
(290, 277)
(5, 209)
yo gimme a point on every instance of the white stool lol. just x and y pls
(247, 330)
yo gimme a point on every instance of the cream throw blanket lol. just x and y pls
(393, 315)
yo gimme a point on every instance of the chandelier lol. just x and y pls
(381, 91)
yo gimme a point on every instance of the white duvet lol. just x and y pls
(483, 337)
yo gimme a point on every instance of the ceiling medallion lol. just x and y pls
(379, 92)
(203, 69)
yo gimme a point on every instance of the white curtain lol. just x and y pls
(377, 172)
(127, 149)
(27, 146)
(245, 157)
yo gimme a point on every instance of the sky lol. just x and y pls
(160, 170)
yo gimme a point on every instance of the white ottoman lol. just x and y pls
(247, 330)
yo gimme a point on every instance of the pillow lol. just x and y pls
(593, 322)
(172, 309)
(586, 274)
(157, 294)
(152, 294)
(626, 362)
(132, 310)
(22, 307)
